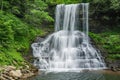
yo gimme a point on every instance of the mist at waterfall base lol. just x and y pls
(68, 48)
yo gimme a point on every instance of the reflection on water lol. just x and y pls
(87, 75)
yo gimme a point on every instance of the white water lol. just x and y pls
(68, 48)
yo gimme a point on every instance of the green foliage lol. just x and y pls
(15, 38)
(115, 4)
(107, 4)
(95, 37)
(36, 13)
(10, 57)
(16, 35)
(64, 1)
(16, 7)
(105, 12)
(114, 56)
(110, 41)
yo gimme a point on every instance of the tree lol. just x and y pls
(36, 13)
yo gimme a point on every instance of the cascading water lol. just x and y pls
(68, 48)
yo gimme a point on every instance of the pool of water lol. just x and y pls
(86, 75)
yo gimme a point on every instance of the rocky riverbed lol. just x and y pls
(14, 73)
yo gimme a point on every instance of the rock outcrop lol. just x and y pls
(13, 73)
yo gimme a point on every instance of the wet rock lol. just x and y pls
(86, 70)
(113, 68)
(118, 69)
(114, 65)
(16, 73)
(35, 70)
(39, 39)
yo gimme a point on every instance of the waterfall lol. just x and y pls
(68, 48)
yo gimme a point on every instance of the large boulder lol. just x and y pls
(15, 73)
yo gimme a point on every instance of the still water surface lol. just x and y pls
(87, 75)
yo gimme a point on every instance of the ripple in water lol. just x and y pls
(87, 75)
